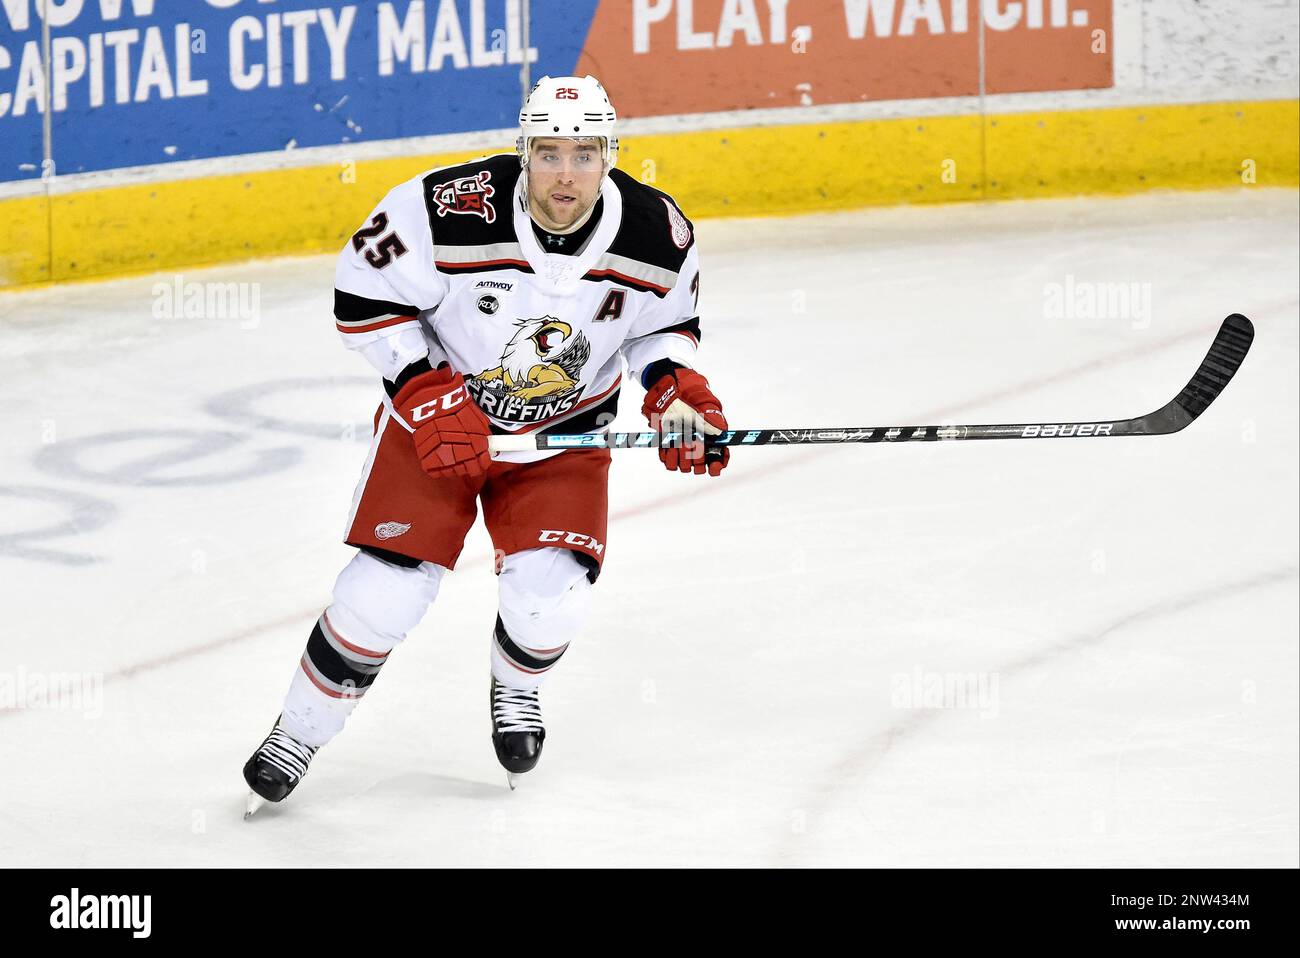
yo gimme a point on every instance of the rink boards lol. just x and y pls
(237, 130)
(739, 172)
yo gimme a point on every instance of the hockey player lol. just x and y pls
(503, 295)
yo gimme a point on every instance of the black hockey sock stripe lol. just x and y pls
(392, 558)
(525, 659)
(337, 668)
(588, 562)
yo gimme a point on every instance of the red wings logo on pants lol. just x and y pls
(561, 502)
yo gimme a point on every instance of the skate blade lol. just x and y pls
(512, 779)
(255, 802)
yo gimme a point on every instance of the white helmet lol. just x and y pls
(568, 107)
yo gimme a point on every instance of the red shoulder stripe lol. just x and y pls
(643, 284)
(371, 327)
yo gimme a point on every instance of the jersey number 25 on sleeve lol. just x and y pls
(385, 250)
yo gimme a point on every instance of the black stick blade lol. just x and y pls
(1219, 366)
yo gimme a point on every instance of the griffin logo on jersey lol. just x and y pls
(538, 375)
(469, 194)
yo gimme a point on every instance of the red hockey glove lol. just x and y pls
(451, 431)
(681, 401)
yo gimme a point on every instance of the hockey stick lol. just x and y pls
(1216, 370)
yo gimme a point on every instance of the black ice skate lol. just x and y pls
(276, 768)
(517, 730)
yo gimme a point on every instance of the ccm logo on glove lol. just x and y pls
(450, 434)
(449, 401)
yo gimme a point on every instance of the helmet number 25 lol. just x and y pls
(566, 93)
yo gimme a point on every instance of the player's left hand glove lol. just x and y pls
(681, 401)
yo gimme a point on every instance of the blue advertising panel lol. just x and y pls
(135, 82)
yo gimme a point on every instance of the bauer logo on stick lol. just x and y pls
(1066, 429)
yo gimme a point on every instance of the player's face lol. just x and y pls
(563, 180)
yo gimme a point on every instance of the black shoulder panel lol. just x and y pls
(469, 204)
(653, 230)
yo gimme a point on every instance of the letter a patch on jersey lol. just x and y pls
(469, 194)
(611, 308)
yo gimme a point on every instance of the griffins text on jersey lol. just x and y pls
(539, 374)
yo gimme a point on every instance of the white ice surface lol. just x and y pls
(734, 698)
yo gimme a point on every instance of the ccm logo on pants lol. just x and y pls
(572, 539)
(449, 401)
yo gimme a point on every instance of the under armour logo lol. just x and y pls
(554, 240)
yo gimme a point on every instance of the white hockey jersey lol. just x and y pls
(448, 266)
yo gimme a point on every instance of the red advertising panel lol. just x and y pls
(692, 56)
(1037, 45)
